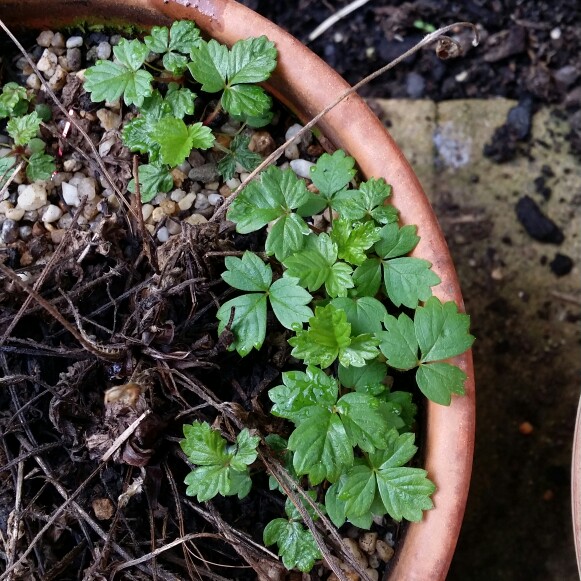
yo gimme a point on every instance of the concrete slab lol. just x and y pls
(525, 318)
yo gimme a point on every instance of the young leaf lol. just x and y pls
(251, 60)
(332, 173)
(289, 302)
(153, 178)
(107, 81)
(245, 450)
(361, 349)
(239, 153)
(296, 544)
(209, 65)
(180, 100)
(40, 167)
(317, 264)
(364, 314)
(368, 203)
(248, 273)
(176, 139)
(408, 281)
(354, 239)
(23, 129)
(246, 100)
(13, 95)
(395, 241)
(180, 38)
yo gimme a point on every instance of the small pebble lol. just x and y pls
(201, 202)
(108, 119)
(32, 197)
(556, 33)
(87, 187)
(354, 549)
(58, 40)
(225, 191)
(47, 62)
(214, 199)
(74, 59)
(103, 508)
(159, 198)
(526, 428)
(187, 202)
(58, 79)
(71, 194)
(51, 214)
(163, 234)
(169, 207)
(173, 227)
(262, 142)
(292, 152)
(205, 173)
(9, 232)
(196, 219)
(146, 211)
(367, 542)
(65, 221)
(302, 167)
(384, 551)
(179, 177)
(74, 42)
(114, 40)
(33, 82)
(212, 186)
(71, 165)
(25, 233)
(44, 39)
(56, 236)
(157, 215)
(233, 183)
(177, 195)
(103, 50)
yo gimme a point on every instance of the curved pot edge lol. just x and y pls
(450, 430)
(576, 487)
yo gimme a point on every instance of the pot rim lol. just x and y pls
(306, 84)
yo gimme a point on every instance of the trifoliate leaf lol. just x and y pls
(328, 333)
(367, 277)
(368, 203)
(239, 153)
(441, 330)
(180, 100)
(176, 139)
(399, 343)
(438, 381)
(246, 100)
(408, 281)
(107, 81)
(40, 167)
(153, 179)
(365, 314)
(296, 545)
(353, 239)
(332, 173)
(317, 264)
(366, 379)
(12, 96)
(321, 447)
(301, 390)
(209, 65)
(251, 60)
(395, 241)
(23, 129)
(289, 302)
(361, 349)
(248, 273)
(249, 323)
(180, 38)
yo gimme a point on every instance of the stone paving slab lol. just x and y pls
(525, 318)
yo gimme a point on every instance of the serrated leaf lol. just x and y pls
(251, 60)
(366, 379)
(358, 491)
(289, 302)
(182, 36)
(441, 330)
(438, 381)
(40, 167)
(365, 314)
(246, 452)
(328, 333)
(23, 129)
(180, 100)
(408, 281)
(176, 139)
(321, 447)
(287, 236)
(367, 277)
(398, 343)
(12, 95)
(249, 323)
(368, 203)
(395, 241)
(353, 239)
(209, 65)
(206, 482)
(137, 136)
(152, 180)
(301, 391)
(277, 193)
(203, 445)
(158, 39)
(239, 153)
(332, 173)
(248, 273)
(399, 450)
(339, 280)
(297, 547)
(246, 100)
(131, 53)
(361, 349)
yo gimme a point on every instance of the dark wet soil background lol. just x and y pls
(517, 524)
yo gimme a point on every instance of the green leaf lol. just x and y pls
(365, 314)
(206, 482)
(368, 203)
(396, 241)
(251, 60)
(366, 379)
(107, 81)
(249, 273)
(438, 381)
(203, 445)
(353, 239)
(6, 164)
(441, 330)
(182, 36)
(180, 101)
(239, 153)
(332, 173)
(209, 65)
(367, 277)
(408, 281)
(249, 323)
(246, 452)
(36, 145)
(153, 179)
(402, 401)
(301, 391)
(246, 100)
(360, 349)
(328, 333)
(176, 139)
(12, 96)
(287, 236)
(289, 302)
(321, 447)
(23, 129)
(399, 343)
(335, 507)
(358, 491)
(296, 545)
(40, 167)
(137, 135)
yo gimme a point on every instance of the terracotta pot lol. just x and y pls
(306, 84)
